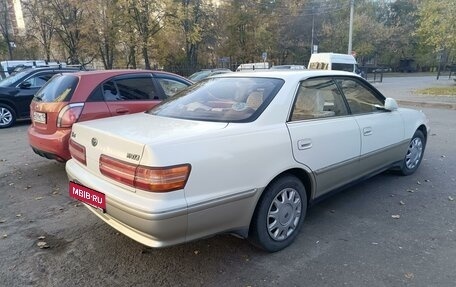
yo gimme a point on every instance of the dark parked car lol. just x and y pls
(17, 91)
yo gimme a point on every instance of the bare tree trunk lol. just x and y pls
(146, 57)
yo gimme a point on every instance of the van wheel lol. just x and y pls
(279, 214)
(7, 116)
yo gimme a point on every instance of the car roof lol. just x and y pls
(102, 75)
(51, 68)
(117, 72)
(286, 74)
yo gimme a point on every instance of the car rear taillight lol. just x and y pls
(69, 115)
(155, 179)
(78, 152)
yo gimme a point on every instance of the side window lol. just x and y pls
(360, 99)
(318, 98)
(110, 92)
(171, 86)
(141, 88)
(38, 81)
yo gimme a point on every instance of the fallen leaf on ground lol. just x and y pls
(396, 216)
(401, 202)
(410, 190)
(39, 198)
(418, 182)
(450, 198)
(5, 235)
(18, 215)
(409, 275)
(43, 245)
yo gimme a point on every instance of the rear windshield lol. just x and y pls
(60, 88)
(231, 99)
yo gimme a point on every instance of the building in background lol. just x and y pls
(11, 17)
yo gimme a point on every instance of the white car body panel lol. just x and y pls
(314, 145)
(231, 163)
(379, 130)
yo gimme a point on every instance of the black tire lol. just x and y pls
(414, 154)
(286, 196)
(7, 116)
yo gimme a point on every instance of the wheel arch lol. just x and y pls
(303, 175)
(422, 128)
(255, 233)
(9, 104)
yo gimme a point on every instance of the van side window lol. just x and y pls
(343, 67)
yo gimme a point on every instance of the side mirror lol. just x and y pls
(390, 104)
(25, 85)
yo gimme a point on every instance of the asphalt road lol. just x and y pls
(350, 239)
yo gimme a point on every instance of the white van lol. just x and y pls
(7, 67)
(253, 66)
(333, 61)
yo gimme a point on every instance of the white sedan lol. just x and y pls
(242, 153)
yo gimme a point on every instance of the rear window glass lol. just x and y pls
(232, 99)
(59, 89)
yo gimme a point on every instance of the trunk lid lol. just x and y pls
(125, 137)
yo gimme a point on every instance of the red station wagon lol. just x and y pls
(82, 96)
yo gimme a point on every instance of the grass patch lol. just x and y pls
(438, 91)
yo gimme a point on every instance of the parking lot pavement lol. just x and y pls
(404, 90)
(387, 231)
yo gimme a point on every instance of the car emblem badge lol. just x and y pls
(94, 142)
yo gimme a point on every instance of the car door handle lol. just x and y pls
(367, 131)
(122, 111)
(304, 144)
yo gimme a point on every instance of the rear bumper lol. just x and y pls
(51, 146)
(155, 220)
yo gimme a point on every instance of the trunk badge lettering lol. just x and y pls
(133, 156)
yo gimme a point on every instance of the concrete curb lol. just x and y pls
(448, 106)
